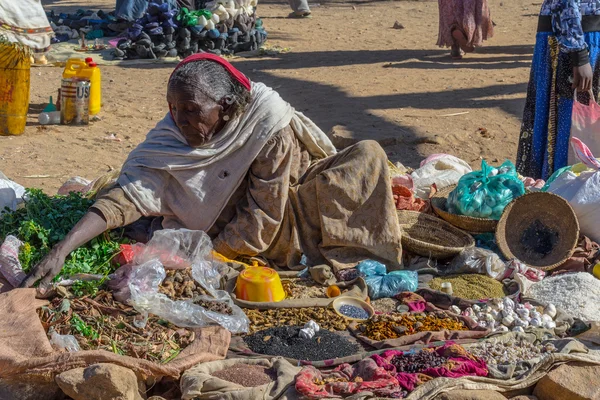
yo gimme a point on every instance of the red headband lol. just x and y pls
(236, 74)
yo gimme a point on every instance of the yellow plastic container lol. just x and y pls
(15, 64)
(259, 284)
(79, 68)
(596, 270)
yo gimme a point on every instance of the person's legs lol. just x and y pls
(300, 8)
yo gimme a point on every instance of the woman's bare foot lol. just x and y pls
(456, 52)
(461, 39)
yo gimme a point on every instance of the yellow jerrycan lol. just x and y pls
(15, 64)
(88, 69)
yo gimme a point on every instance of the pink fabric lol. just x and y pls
(432, 158)
(472, 17)
(585, 128)
(346, 380)
(460, 363)
(583, 152)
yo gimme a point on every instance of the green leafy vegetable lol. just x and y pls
(44, 221)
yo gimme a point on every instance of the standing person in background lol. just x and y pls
(300, 8)
(464, 25)
(565, 58)
(25, 22)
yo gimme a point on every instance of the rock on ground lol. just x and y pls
(575, 381)
(29, 390)
(524, 397)
(99, 382)
(470, 395)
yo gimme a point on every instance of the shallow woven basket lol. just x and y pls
(469, 224)
(429, 236)
(552, 211)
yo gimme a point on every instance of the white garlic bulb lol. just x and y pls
(550, 310)
(518, 329)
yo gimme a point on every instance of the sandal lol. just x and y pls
(456, 53)
(460, 38)
(300, 14)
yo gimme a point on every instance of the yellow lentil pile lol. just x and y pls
(471, 286)
(393, 326)
(325, 317)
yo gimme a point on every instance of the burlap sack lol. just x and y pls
(356, 288)
(26, 354)
(474, 332)
(198, 383)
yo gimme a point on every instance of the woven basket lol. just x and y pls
(429, 236)
(469, 224)
(552, 212)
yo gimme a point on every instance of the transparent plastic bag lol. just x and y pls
(476, 260)
(64, 342)
(485, 193)
(192, 247)
(382, 284)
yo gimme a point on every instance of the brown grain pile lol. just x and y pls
(180, 285)
(300, 288)
(246, 375)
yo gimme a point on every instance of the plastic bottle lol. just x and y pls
(49, 118)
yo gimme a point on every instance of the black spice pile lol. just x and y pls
(417, 362)
(284, 341)
(246, 375)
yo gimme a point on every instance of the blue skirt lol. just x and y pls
(546, 128)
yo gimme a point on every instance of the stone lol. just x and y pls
(524, 397)
(31, 390)
(570, 381)
(470, 395)
(99, 382)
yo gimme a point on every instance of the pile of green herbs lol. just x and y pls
(44, 221)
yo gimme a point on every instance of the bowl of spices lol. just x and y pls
(353, 308)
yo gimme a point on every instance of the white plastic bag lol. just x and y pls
(64, 342)
(195, 248)
(582, 191)
(443, 170)
(476, 260)
(11, 194)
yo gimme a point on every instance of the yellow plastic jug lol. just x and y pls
(79, 68)
(15, 64)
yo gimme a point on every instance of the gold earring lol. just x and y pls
(226, 118)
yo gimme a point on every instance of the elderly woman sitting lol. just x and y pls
(235, 160)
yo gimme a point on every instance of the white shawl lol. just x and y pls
(25, 22)
(191, 186)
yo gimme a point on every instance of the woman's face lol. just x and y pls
(197, 116)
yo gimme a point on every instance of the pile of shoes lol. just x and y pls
(92, 24)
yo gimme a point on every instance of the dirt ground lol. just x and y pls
(348, 70)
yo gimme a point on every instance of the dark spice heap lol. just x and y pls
(284, 341)
(179, 285)
(354, 312)
(246, 375)
(102, 323)
(393, 326)
(417, 362)
(539, 239)
(325, 317)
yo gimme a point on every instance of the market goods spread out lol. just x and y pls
(476, 314)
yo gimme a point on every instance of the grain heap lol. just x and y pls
(246, 375)
(578, 294)
(285, 341)
(101, 323)
(385, 305)
(417, 362)
(354, 312)
(471, 286)
(299, 288)
(512, 351)
(393, 326)
(325, 317)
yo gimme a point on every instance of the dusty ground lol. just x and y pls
(348, 70)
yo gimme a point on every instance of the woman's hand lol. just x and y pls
(47, 269)
(582, 78)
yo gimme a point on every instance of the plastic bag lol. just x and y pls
(580, 186)
(485, 193)
(189, 247)
(443, 170)
(10, 266)
(64, 342)
(476, 260)
(11, 194)
(382, 284)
